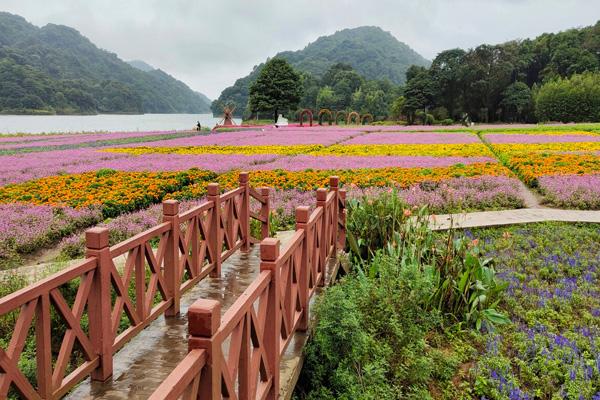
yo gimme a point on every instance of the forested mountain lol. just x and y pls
(501, 82)
(370, 51)
(54, 69)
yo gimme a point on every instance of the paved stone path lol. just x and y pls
(511, 217)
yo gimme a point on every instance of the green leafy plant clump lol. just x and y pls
(495, 313)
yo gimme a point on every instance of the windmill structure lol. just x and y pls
(227, 119)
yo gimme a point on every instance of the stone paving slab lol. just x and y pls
(511, 217)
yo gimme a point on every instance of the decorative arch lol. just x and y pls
(365, 117)
(353, 116)
(308, 112)
(323, 112)
(337, 116)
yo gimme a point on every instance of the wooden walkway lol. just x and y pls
(511, 217)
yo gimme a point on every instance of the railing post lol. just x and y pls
(245, 211)
(171, 263)
(302, 215)
(334, 185)
(204, 320)
(342, 220)
(324, 243)
(100, 307)
(269, 253)
(215, 240)
(265, 212)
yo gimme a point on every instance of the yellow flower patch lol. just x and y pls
(435, 150)
(530, 148)
(545, 133)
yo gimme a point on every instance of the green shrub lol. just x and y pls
(574, 99)
(372, 221)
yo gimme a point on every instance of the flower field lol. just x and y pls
(564, 166)
(458, 169)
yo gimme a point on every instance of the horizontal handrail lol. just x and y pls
(205, 206)
(178, 381)
(22, 296)
(258, 196)
(232, 193)
(243, 303)
(291, 246)
(123, 247)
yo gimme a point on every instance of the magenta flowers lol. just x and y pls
(302, 162)
(571, 191)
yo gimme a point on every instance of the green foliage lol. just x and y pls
(55, 69)
(397, 108)
(465, 287)
(495, 82)
(373, 340)
(277, 88)
(573, 99)
(517, 102)
(372, 221)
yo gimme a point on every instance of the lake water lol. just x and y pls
(103, 122)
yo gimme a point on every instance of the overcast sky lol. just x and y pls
(208, 44)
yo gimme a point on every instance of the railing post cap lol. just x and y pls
(321, 194)
(265, 190)
(170, 207)
(334, 181)
(244, 177)
(302, 213)
(213, 189)
(96, 238)
(342, 193)
(269, 249)
(204, 317)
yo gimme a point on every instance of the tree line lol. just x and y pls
(553, 77)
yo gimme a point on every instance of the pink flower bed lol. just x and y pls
(286, 137)
(520, 138)
(414, 138)
(24, 167)
(571, 191)
(302, 162)
(71, 139)
(210, 139)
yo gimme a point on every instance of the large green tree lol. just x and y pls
(277, 89)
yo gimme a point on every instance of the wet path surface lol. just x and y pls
(144, 362)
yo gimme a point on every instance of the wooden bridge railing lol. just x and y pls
(117, 291)
(237, 356)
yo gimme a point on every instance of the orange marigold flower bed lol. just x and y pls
(313, 179)
(532, 166)
(115, 191)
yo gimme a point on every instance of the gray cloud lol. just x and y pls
(209, 44)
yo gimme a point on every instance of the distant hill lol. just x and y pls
(371, 51)
(54, 69)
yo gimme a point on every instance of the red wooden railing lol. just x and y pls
(237, 356)
(159, 265)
